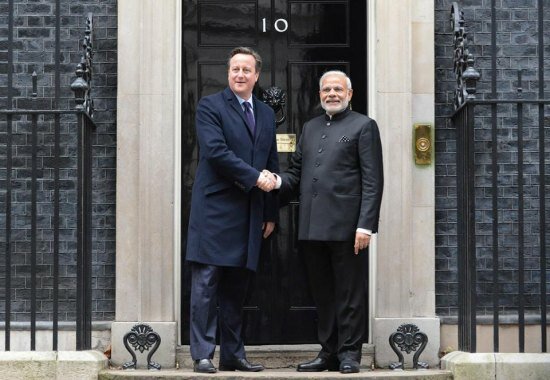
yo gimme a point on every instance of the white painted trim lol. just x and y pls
(371, 53)
(177, 173)
(371, 84)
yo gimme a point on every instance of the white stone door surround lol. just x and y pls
(401, 92)
(148, 125)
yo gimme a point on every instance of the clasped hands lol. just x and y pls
(267, 181)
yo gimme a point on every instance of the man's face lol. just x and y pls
(242, 75)
(335, 94)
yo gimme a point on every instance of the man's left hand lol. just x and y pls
(361, 241)
(268, 228)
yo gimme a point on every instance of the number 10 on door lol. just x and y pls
(280, 25)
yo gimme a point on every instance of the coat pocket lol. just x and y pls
(215, 187)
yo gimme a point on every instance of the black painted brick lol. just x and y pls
(34, 46)
(517, 39)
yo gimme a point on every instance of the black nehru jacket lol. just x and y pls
(338, 168)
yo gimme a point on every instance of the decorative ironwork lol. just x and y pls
(466, 75)
(409, 338)
(82, 85)
(141, 337)
(275, 97)
(83, 177)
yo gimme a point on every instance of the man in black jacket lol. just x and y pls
(337, 168)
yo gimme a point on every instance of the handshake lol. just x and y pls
(267, 181)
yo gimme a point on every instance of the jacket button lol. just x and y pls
(317, 164)
(328, 124)
(320, 150)
(324, 136)
(314, 179)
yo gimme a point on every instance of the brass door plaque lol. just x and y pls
(286, 142)
(423, 144)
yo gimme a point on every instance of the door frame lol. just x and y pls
(371, 106)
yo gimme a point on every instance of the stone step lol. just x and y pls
(277, 356)
(280, 374)
(280, 362)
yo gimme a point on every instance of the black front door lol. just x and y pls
(298, 40)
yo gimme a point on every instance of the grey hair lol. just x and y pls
(335, 72)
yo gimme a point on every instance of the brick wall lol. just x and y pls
(517, 44)
(34, 43)
(34, 47)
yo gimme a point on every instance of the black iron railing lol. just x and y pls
(501, 190)
(51, 178)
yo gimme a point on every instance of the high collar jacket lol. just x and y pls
(337, 169)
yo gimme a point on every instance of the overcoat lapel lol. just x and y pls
(234, 103)
(258, 119)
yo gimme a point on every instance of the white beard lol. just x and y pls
(333, 111)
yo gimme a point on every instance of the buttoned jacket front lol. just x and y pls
(337, 168)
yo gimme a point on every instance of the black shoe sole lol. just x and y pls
(310, 370)
(205, 371)
(231, 369)
(349, 371)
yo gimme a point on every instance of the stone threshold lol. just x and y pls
(277, 356)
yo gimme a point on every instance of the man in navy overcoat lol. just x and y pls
(231, 211)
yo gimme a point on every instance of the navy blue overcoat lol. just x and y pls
(227, 209)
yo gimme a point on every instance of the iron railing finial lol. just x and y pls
(82, 85)
(466, 75)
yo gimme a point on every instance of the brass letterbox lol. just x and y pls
(286, 142)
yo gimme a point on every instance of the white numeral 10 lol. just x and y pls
(281, 25)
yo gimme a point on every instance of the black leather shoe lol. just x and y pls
(319, 364)
(349, 366)
(204, 366)
(241, 365)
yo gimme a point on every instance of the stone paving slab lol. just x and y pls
(51, 365)
(275, 375)
(501, 366)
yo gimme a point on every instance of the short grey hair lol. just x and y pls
(335, 72)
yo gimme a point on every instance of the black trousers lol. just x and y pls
(337, 279)
(224, 287)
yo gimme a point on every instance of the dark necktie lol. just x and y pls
(249, 116)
